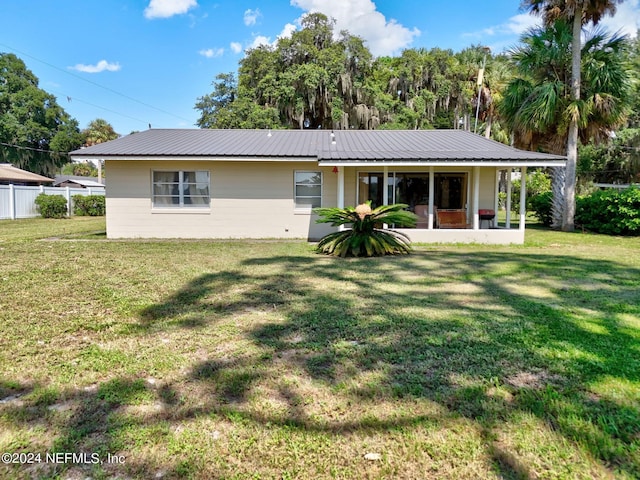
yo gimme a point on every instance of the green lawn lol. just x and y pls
(262, 359)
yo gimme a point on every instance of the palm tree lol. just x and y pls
(497, 76)
(578, 13)
(538, 104)
(99, 131)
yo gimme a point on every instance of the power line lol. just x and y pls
(96, 84)
(21, 147)
(75, 99)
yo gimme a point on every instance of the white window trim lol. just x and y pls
(306, 210)
(181, 208)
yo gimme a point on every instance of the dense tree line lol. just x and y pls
(315, 79)
(31, 118)
(35, 131)
(319, 78)
(526, 97)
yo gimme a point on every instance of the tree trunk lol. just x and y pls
(557, 203)
(488, 124)
(569, 211)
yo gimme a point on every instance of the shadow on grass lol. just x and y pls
(486, 336)
(451, 321)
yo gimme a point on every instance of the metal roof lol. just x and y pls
(328, 147)
(77, 179)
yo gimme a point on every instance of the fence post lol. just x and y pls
(12, 202)
(68, 191)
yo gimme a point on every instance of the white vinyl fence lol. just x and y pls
(19, 202)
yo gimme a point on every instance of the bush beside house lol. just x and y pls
(366, 236)
(89, 205)
(613, 212)
(610, 211)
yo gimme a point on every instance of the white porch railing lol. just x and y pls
(19, 202)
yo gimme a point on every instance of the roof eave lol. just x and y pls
(442, 163)
(195, 158)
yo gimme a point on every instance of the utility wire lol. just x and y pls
(96, 84)
(75, 99)
(21, 147)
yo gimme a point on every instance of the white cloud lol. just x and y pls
(101, 66)
(251, 16)
(288, 29)
(168, 8)
(236, 47)
(626, 20)
(260, 40)
(212, 52)
(519, 24)
(516, 25)
(360, 17)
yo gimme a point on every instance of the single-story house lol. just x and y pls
(188, 183)
(10, 175)
(76, 181)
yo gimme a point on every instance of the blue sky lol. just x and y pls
(141, 62)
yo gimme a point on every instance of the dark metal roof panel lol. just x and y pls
(348, 145)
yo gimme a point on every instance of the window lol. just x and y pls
(181, 189)
(308, 190)
(409, 188)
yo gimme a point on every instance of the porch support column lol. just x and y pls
(385, 186)
(476, 197)
(508, 206)
(385, 189)
(432, 196)
(340, 187)
(523, 197)
(496, 200)
(341, 192)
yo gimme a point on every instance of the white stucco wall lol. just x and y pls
(248, 200)
(255, 199)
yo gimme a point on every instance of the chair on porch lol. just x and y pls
(422, 211)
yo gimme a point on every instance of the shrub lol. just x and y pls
(89, 205)
(366, 237)
(538, 182)
(51, 206)
(541, 205)
(610, 211)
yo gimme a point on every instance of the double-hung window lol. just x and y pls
(308, 190)
(181, 189)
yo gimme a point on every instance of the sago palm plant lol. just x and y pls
(366, 237)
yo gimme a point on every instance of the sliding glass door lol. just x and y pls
(412, 188)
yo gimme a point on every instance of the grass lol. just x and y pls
(251, 359)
